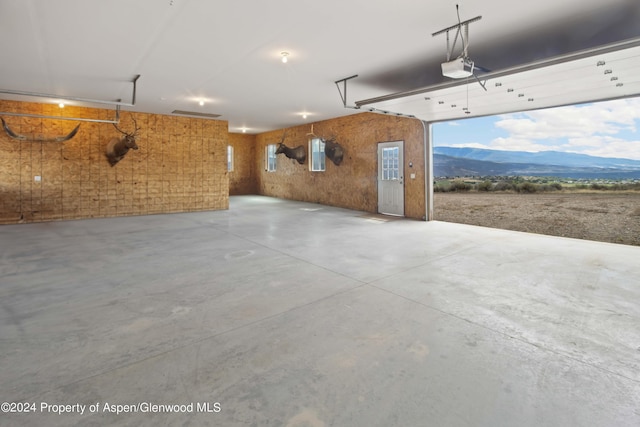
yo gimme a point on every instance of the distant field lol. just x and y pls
(605, 216)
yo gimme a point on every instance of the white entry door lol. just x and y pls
(390, 178)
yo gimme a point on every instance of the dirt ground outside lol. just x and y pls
(601, 216)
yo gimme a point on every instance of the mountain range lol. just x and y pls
(456, 161)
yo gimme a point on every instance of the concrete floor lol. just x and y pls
(283, 313)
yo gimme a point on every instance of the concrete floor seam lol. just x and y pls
(203, 339)
(541, 347)
(306, 261)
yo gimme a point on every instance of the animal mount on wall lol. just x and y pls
(38, 138)
(299, 154)
(117, 148)
(333, 150)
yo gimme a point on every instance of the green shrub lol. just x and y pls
(503, 186)
(485, 186)
(526, 187)
(459, 185)
(550, 187)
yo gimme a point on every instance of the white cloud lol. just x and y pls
(471, 145)
(520, 144)
(574, 121)
(615, 148)
(590, 129)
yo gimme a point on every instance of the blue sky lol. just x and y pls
(605, 129)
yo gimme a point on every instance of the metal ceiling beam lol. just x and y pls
(74, 98)
(117, 104)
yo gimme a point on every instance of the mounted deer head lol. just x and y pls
(118, 147)
(299, 154)
(333, 150)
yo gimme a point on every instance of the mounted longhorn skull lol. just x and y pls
(299, 154)
(118, 147)
(333, 150)
(34, 138)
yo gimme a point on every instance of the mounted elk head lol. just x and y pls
(333, 150)
(118, 147)
(299, 154)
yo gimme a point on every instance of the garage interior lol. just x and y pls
(284, 297)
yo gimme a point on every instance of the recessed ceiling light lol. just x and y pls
(284, 57)
(201, 103)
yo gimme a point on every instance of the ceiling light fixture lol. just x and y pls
(201, 103)
(61, 104)
(284, 57)
(600, 63)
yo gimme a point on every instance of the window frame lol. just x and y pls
(270, 153)
(230, 158)
(312, 155)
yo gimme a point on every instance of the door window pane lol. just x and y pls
(390, 163)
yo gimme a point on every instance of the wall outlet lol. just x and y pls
(37, 178)
(413, 176)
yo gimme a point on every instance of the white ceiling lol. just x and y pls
(227, 53)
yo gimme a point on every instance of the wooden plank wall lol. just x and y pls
(242, 180)
(353, 184)
(180, 166)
